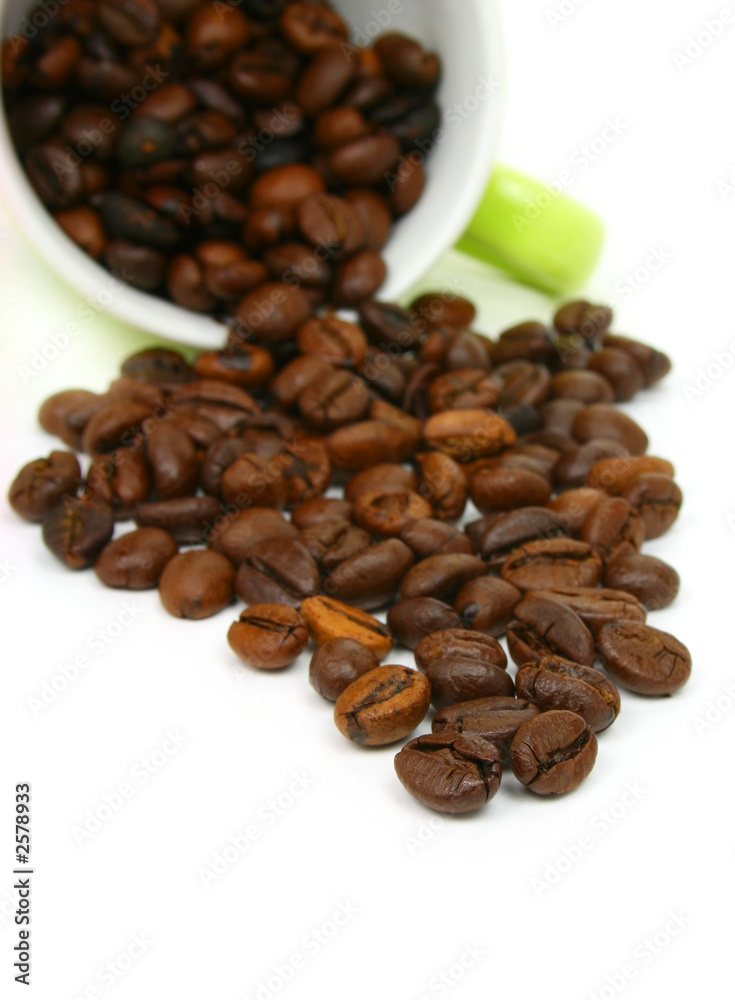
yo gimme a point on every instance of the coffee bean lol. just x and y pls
(334, 401)
(441, 576)
(468, 434)
(121, 479)
(331, 224)
(321, 510)
(507, 489)
(238, 530)
(337, 663)
(620, 369)
(591, 322)
(277, 571)
(332, 542)
(444, 309)
(572, 506)
(429, 537)
(643, 659)
(364, 160)
(596, 605)
(556, 683)
(77, 530)
(657, 499)
(611, 523)
(543, 627)
(443, 483)
(551, 563)
(173, 460)
(83, 225)
(583, 386)
(136, 560)
(328, 618)
(463, 665)
(310, 27)
(650, 580)
(41, 485)
(388, 477)
(196, 584)
(273, 312)
(333, 339)
(452, 774)
(115, 425)
(600, 420)
(486, 604)
(370, 578)
(653, 364)
(132, 220)
(553, 753)
(614, 475)
(388, 512)
(358, 445)
(268, 636)
(382, 706)
(497, 535)
(496, 719)
(132, 22)
(187, 519)
(358, 277)
(252, 479)
(412, 619)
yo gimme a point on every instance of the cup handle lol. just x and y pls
(539, 236)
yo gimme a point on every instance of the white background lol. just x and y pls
(418, 891)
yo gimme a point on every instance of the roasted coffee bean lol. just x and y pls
(133, 22)
(331, 224)
(370, 578)
(388, 324)
(620, 369)
(591, 322)
(553, 753)
(335, 340)
(83, 225)
(139, 266)
(77, 530)
(416, 617)
(572, 468)
(277, 571)
(374, 214)
(486, 604)
(544, 627)
(382, 706)
(236, 531)
(650, 580)
(465, 389)
(337, 663)
(212, 35)
(429, 537)
(466, 435)
(653, 364)
(132, 220)
(556, 683)
(657, 499)
(462, 668)
(582, 386)
(250, 367)
(497, 535)
(268, 636)
(441, 576)
(173, 461)
(529, 341)
(551, 563)
(187, 519)
(596, 605)
(115, 425)
(120, 479)
(387, 512)
(331, 542)
(614, 475)
(320, 510)
(331, 619)
(41, 485)
(310, 27)
(273, 312)
(558, 414)
(136, 560)
(295, 376)
(601, 420)
(443, 483)
(66, 414)
(507, 489)
(338, 399)
(452, 774)
(358, 445)
(611, 523)
(196, 584)
(573, 506)
(522, 384)
(358, 278)
(252, 479)
(496, 719)
(643, 659)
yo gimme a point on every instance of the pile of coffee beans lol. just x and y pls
(241, 159)
(403, 417)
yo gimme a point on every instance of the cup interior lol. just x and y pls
(467, 38)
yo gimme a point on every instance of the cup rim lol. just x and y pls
(175, 324)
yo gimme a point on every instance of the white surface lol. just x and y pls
(345, 839)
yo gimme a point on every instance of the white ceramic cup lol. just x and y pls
(466, 34)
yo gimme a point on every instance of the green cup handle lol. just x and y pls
(539, 236)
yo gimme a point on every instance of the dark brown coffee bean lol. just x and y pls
(653, 364)
(522, 383)
(572, 468)
(187, 519)
(139, 266)
(497, 535)
(370, 578)
(452, 774)
(553, 753)
(374, 214)
(582, 386)
(116, 425)
(77, 530)
(136, 560)
(196, 584)
(529, 341)
(496, 719)
(486, 604)
(387, 477)
(337, 663)
(130, 22)
(614, 475)
(331, 225)
(507, 489)
(611, 523)
(173, 461)
(429, 537)
(135, 221)
(650, 580)
(444, 309)
(643, 659)
(268, 636)
(310, 27)
(556, 683)
(321, 510)
(364, 160)
(120, 479)
(277, 571)
(286, 187)
(441, 576)
(548, 564)
(273, 312)
(558, 414)
(416, 617)
(543, 627)
(83, 225)
(382, 706)
(597, 605)
(604, 421)
(456, 676)
(66, 414)
(444, 484)
(254, 480)
(358, 278)
(337, 125)
(238, 530)
(459, 644)
(388, 325)
(328, 618)
(620, 369)
(324, 79)
(332, 542)
(657, 499)
(387, 512)
(338, 399)
(335, 340)
(186, 285)
(468, 434)
(41, 485)
(590, 322)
